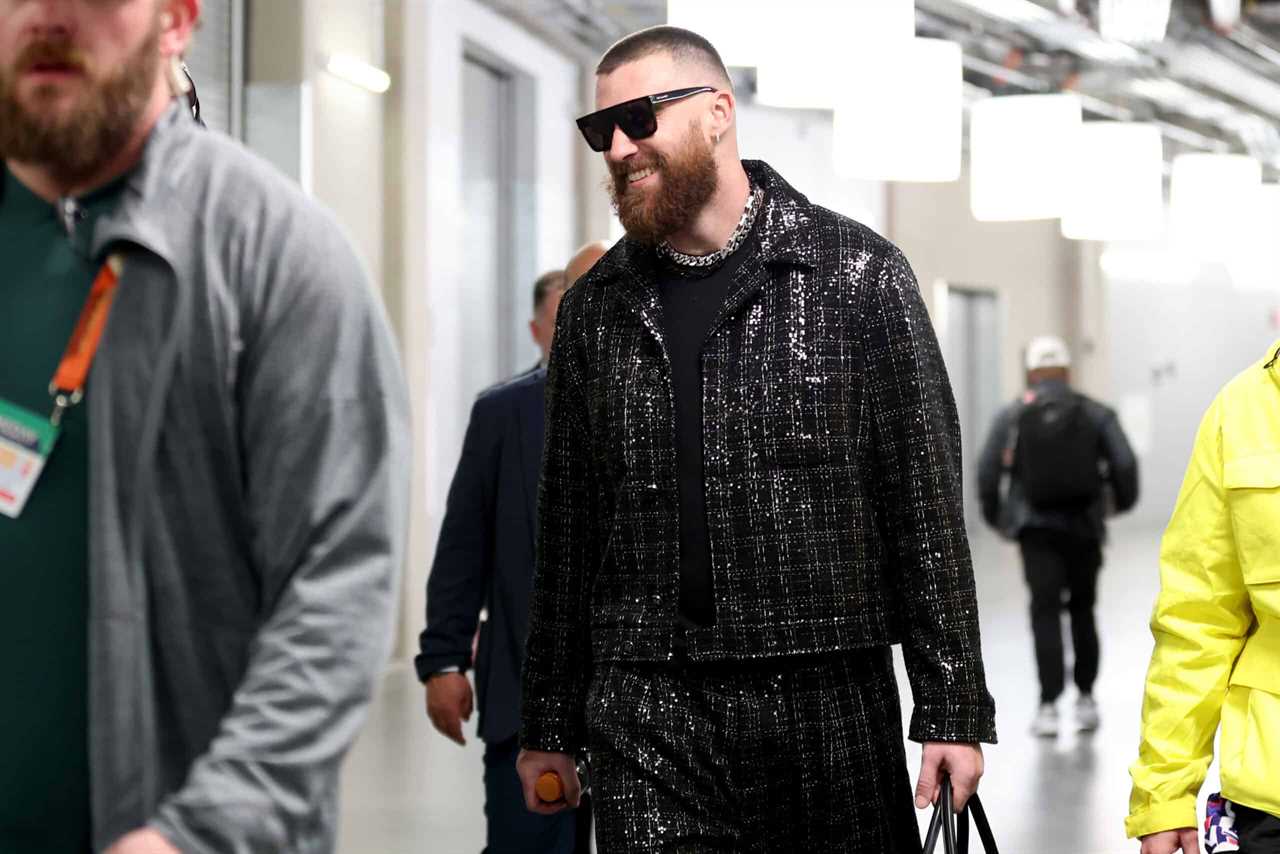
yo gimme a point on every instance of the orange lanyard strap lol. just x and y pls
(67, 387)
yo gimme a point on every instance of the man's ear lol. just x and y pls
(178, 19)
(723, 110)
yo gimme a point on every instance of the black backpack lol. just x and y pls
(1056, 459)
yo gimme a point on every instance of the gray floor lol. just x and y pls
(406, 789)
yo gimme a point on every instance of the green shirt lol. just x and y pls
(44, 762)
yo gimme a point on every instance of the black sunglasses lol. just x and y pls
(637, 118)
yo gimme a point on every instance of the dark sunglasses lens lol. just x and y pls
(598, 131)
(637, 119)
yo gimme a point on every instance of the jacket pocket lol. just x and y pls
(1253, 496)
(1258, 665)
(1250, 748)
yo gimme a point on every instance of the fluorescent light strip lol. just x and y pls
(357, 72)
(1205, 66)
(1189, 137)
(997, 71)
(1014, 11)
(1183, 99)
(1057, 31)
(1105, 108)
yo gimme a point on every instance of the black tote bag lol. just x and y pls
(953, 830)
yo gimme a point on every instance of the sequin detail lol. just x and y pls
(769, 757)
(832, 474)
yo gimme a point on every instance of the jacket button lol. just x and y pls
(655, 376)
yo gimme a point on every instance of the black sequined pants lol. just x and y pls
(775, 756)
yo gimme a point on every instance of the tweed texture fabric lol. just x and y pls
(759, 756)
(831, 466)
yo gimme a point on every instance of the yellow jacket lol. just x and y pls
(1217, 620)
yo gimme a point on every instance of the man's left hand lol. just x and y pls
(145, 841)
(962, 761)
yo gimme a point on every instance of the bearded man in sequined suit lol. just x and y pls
(751, 490)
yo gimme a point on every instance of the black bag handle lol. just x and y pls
(954, 829)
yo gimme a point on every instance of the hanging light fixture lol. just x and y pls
(1134, 21)
(1213, 198)
(1255, 266)
(1225, 13)
(1020, 148)
(740, 30)
(1117, 190)
(915, 92)
(811, 46)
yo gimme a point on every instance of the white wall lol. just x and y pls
(347, 121)
(1174, 345)
(1031, 268)
(435, 34)
(322, 131)
(797, 143)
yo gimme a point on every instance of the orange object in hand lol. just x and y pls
(549, 788)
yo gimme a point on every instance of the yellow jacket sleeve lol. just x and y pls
(1200, 622)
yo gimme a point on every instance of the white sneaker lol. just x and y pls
(1087, 718)
(1045, 724)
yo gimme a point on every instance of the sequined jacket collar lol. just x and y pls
(782, 234)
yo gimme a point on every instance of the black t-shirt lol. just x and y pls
(689, 308)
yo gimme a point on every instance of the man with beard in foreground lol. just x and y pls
(203, 511)
(751, 489)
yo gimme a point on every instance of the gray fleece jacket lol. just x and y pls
(249, 459)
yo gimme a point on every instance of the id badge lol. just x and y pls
(26, 440)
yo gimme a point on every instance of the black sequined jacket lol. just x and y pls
(832, 476)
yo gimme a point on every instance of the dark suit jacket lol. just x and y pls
(485, 556)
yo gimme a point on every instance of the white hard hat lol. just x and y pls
(1048, 351)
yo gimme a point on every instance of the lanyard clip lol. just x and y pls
(62, 401)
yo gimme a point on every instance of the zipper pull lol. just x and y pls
(70, 213)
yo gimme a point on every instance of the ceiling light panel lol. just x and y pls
(1134, 21)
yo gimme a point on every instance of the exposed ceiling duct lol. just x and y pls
(1212, 89)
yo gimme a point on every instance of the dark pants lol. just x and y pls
(512, 828)
(1259, 832)
(1059, 565)
(772, 756)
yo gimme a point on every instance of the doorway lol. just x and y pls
(971, 347)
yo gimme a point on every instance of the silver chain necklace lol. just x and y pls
(735, 240)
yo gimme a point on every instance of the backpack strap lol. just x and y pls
(1011, 439)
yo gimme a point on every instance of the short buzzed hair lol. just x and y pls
(552, 281)
(682, 45)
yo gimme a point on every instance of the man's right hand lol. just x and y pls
(532, 764)
(1184, 839)
(449, 703)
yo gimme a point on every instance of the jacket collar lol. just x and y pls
(784, 235)
(150, 197)
(134, 219)
(782, 231)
